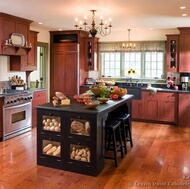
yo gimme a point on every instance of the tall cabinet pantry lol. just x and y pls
(67, 63)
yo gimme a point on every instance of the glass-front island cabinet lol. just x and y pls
(71, 137)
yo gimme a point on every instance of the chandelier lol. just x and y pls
(103, 28)
(129, 45)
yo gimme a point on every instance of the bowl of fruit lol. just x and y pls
(92, 104)
(119, 91)
(102, 99)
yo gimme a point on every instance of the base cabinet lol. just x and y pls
(1, 120)
(158, 107)
(39, 97)
(184, 110)
(137, 109)
(76, 139)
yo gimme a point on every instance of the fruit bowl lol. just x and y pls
(92, 104)
(119, 91)
(96, 91)
(103, 100)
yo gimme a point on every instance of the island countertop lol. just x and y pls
(82, 108)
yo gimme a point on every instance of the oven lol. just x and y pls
(17, 114)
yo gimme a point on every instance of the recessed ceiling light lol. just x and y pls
(184, 14)
(60, 29)
(182, 7)
(39, 22)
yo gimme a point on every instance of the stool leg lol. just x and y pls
(120, 141)
(115, 149)
(129, 132)
(124, 137)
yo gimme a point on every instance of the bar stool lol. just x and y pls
(112, 136)
(125, 130)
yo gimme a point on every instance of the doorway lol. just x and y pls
(38, 78)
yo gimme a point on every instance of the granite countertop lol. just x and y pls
(82, 108)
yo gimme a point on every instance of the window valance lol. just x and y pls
(157, 46)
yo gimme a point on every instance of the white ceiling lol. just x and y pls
(125, 14)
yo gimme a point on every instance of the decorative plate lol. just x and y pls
(18, 39)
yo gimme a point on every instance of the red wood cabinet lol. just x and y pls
(184, 110)
(158, 107)
(172, 57)
(151, 105)
(137, 110)
(67, 62)
(184, 65)
(39, 97)
(168, 107)
(91, 53)
(63, 70)
(11, 24)
(1, 120)
(29, 62)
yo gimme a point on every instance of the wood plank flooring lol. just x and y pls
(160, 159)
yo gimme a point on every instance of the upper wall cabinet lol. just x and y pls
(29, 62)
(91, 53)
(14, 25)
(184, 65)
(172, 58)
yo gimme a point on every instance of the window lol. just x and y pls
(147, 63)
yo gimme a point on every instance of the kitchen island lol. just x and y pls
(72, 137)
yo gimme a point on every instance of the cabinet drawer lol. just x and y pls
(48, 158)
(39, 94)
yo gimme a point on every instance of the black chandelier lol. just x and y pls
(103, 28)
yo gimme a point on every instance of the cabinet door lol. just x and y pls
(172, 57)
(91, 53)
(64, 72)
(184, 65)
(137, 111)
(38, 98)
(52, 156)
(168, 107)
(1, 116)
(184, 110)
(24, 29)
(151, 105)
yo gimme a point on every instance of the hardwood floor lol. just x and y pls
(160, 159)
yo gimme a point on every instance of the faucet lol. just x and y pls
(130, 79)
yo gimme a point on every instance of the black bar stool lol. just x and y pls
(125, 130)
(112, 136)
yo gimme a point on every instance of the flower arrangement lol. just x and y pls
(131, 71)
(171, 83)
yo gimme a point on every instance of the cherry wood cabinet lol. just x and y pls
(151, 105)
(168, 104)
(11, 24)
(64, 70)
(29, 62)
(1, 120)
(158, 107)
(184, 65)
(67, 62)
(39, 97)
(172, 57)
(91, 53)
(184, 110)
(137, 109)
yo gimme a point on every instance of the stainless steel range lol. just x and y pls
(17, 113)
